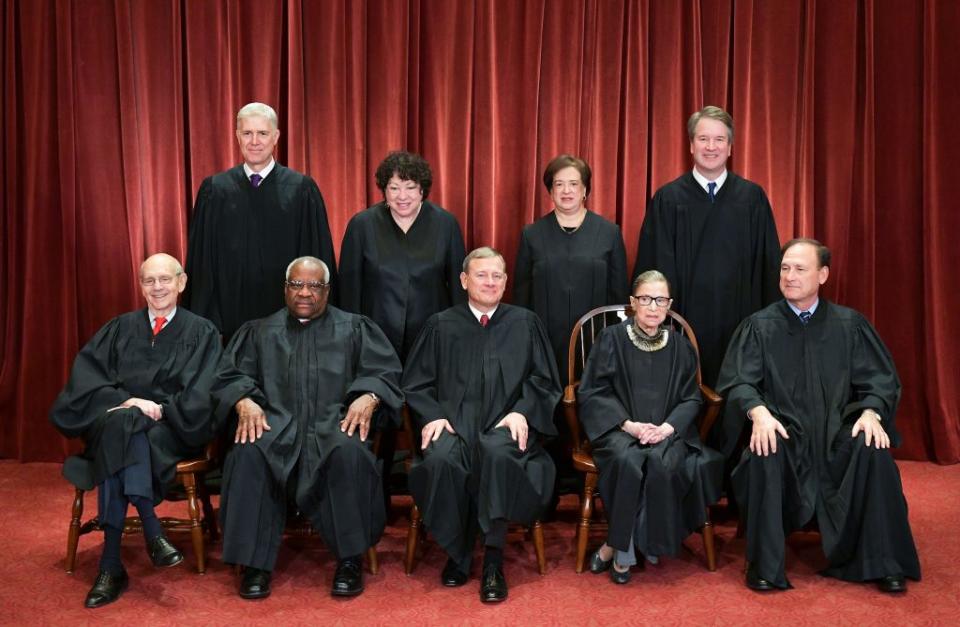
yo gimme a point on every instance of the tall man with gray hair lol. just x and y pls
(247, 224)
(299, 391)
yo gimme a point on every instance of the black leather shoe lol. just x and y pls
(451, 575)
(893, 583)
(755, 582)
(348, 579)
(106, 589)
(597, 564)
(620, 577)
(255, 584)
(162, 553)
(493, 586)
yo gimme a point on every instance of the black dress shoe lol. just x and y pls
(493, 586)
(255, 584)
(892, 583)
(348, 579)
(755, 582)
(451, 576)
(619, 577)
(106, 589)
(162, 553)
(597, 564)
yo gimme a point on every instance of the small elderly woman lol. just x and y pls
(638, 402)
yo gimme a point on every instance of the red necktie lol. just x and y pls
(158, 323)
(484, 319)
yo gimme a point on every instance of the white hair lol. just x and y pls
(257, 110)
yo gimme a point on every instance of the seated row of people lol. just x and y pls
(301, 392)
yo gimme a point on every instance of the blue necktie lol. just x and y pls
(805, 316)
(712, 190)
(255, 180)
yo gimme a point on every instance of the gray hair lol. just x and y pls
(484, 252)
(713, 113)
(257, 110)
(650, 276)
(312, 261)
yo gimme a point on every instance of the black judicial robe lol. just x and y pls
(817, 379)
(562, 276)
(474, 376)
(242, 238)
(671, 482)
(400, 279)
(304, 376)
(722, 258)
(124, 360)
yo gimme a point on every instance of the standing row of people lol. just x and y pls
(302, 388)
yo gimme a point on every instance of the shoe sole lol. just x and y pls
(345, 593)
(254, 597)
(171, 564)
(492, 600)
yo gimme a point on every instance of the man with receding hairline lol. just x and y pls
(301, 390)
(819, 391)
(247, 224)
(139, 398)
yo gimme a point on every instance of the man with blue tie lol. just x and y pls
(820, 391)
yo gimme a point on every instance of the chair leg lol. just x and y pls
(708, 544)
(73, 534)
(209, 517)
(196, 530)
(586, 513)
(372, 562)
(413, 537)
(537, 532)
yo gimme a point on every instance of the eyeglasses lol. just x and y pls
(496, 276)
(644, 301)
(164, 280)
(314, 286)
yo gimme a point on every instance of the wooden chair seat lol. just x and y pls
(190, 474)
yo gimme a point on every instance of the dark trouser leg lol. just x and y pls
(440, 485)
(494, 541)
(133, 482)
(759, 484)
(344, 496)
(252, 509)
(864, 524)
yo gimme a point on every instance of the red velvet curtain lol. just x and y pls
(114, 111)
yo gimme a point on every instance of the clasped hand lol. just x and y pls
(151, 410)
(647, 432)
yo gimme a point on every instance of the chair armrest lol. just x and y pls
(570, 414)
(709, 411)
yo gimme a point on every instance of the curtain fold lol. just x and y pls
(115, 111)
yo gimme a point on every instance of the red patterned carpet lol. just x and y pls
(35, 590)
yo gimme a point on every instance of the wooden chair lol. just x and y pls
(582, 338)
(416, 529)
(190, 474)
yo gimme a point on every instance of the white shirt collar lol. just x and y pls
(812, 308)
(169, 317)
(477, 313)
(704, 180)
(267, 169)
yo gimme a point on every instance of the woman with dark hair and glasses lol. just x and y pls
(638, 402)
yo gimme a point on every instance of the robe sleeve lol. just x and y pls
(377, 367)
(617, 282)
(456, 252)
(740, 382)
(420, 376)
(93, 386)
(523, 274)
(320, 243)
(189, 410)
(600, 410)
(766, 252)
(200, 295)
(351, 268)
(683, 414)
(540, 390)
(238, 374)
(656, 246)
(874, 381)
